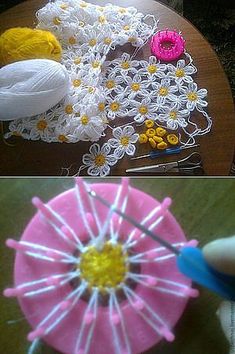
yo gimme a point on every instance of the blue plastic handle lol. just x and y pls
(153, 154)
(191, 263)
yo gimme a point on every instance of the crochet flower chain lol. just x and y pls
(123, 89)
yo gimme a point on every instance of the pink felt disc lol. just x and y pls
(140, 334)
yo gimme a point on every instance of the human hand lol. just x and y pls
(220, 254)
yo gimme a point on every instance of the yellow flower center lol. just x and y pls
(173, 115)
(122, 10)
(126, 28)
(77, 82)
(81, 23)
(41, 124)
(84, 119)
(15, 133)
(100, 160)
(135, 86)
(101, 106)
(152, 69)
(62, 138)
(110, 84)
(105, 268)
(107, 40)
(102, 19)
(124, 140)
(192, 96)
(132, 39)
(63, 6)
(143, 110)
(125, 65)
(91, 89)
(69, 109)
(163, 91)
(92, 42)
(56, 21)
(83, 4)
(72, 40)
(77, 60)
(115, 106)
(179, 73)
(96, 64)
(100, 8)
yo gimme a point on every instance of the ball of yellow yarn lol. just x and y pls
(22, 43)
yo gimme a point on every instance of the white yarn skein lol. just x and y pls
(31, 87)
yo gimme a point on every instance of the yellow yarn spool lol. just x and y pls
(22, 43)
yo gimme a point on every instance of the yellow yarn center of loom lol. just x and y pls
(105, 268)
(25, 43)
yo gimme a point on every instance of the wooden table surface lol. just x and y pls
(204, 208)
(217, 148)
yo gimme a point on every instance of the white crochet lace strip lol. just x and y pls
(87, 33)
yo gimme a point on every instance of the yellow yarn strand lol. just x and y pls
(22, 43)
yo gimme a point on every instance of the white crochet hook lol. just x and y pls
(189, 260)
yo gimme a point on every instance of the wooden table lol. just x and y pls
(204, 208)
(216, 148)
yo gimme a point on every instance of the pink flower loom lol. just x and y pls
(167, 45)
(61, 250)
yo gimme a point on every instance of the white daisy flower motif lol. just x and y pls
(107, 39)
(174, 117)
(116, 107)
(52, 16)
(123, 141)
(81, 17)
(182, 72)
(164, 91)
(94, 62)
(125, 64)
(77, 78)
(136, 86)
(66, 108)
(90, 38)
(16, 128)
(126, 30)
(88, 124)
(142, 110)
(41, 127)
(73, 60)
(112, 83)
(193, 97)
(71, 36)
(99, 160)
(152, 68)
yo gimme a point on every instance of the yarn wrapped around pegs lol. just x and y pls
(31, 87)
(167, 45)
(22, 43)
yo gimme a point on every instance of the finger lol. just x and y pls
(220, 254)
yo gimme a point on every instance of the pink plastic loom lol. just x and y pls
(167, 45)
(56, 297)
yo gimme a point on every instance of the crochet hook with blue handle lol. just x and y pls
(170, 151)
(189, 260)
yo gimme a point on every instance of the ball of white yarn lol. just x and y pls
(31, 87)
